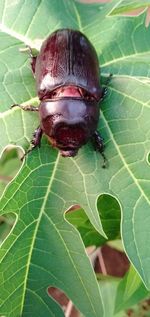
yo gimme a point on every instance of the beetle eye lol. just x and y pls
(53, 94)
(49, 94)
(85, 95)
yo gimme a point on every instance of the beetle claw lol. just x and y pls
(105, 89)
(14, 105)
(99, 146)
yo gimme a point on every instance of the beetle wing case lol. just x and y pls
(67, 58)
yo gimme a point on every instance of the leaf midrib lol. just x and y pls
(36, 228)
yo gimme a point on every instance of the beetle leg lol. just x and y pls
(98, 144)
(26, 107)
(36, 140)
(33, 59)
(104, 93)
(105, 89)
(33, 62)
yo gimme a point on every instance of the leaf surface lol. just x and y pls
(43, 249)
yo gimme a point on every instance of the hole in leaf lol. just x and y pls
(60, 297)
(110, 215)
(73, 208)
(110, 261)
(10, 164)
(6, 225)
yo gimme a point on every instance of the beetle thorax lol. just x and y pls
(69, 120)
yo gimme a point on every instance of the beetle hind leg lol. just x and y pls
(105, 89)
(98, 144)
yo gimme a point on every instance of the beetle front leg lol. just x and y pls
(36, 141)
(98, 144)
(26, 107)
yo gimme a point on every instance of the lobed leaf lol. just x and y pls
(42, 241)
(109, 212)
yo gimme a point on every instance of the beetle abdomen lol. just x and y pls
(67, 58)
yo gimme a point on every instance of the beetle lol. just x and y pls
(67, 81)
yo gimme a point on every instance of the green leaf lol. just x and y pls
(42, 242)
(46, 250)
(130, 291)
(9, 166)
(109, 212)
(5, 227)
(109, 290)
(124, 54)
(17, 83)
(127, 6)
(120, 294)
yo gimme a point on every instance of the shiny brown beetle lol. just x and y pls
(67, 79)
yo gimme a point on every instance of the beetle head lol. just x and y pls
(69, 122)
